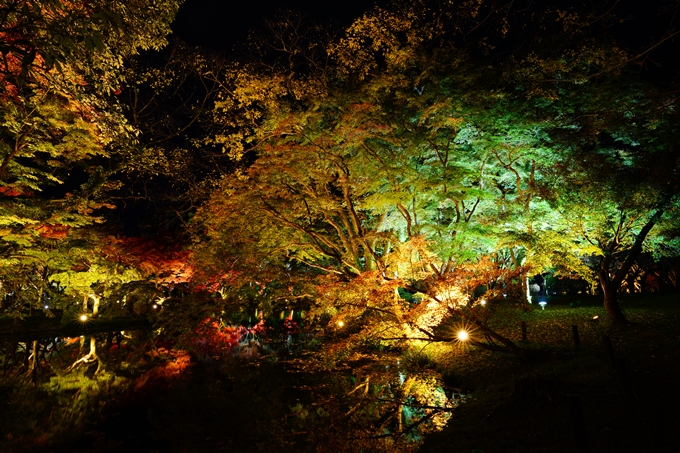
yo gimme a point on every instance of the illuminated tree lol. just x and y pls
(617, 188)
(91, 37)
(59, 63)
(614, 178)
(385, 180)
(419, 145)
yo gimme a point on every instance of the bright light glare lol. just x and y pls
(83, 318)
(340, 323)
(462, 335)
(155, 306)
(483, 302)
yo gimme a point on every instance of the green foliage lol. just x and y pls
(42, 35)
(420, 155)
(390, 182)
(60, 136)
(47, 132)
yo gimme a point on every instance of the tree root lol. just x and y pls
(91, 357)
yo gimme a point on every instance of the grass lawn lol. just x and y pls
(524, 406)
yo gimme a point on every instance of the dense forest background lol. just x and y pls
(352, 192)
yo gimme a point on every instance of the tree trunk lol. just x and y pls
(611, 304)
(610, 290)
(526, 288)
(33, 368)
(95, 306)
(610, 286)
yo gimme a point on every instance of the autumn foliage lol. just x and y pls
(213, 338)
(165, 263)
(53, 231)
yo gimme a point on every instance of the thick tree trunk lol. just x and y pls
(611, 304)
(610, 286)
(610, 290)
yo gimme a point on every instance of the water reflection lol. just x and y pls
(300, 400)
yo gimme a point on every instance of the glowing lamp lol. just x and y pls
(83, 318)
(543, 304)
(340, 323)
(463, 335)
(155, 306)
(46, 307)
(483, 302)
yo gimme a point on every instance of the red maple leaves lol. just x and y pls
(213, 339)
(164, 261)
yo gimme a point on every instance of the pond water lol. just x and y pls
(273, 396)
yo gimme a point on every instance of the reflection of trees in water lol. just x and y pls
(56, 356)
(358, 403)
(385, 404)
(297, 404)
(54, 386)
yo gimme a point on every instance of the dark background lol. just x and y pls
(222, 24)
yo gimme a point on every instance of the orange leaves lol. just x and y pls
(288, 125)
(376, 306)
(371, 36)
(361, 107)
(167, 264)
(14, 191)
(56, 231)
(178, 361)
(484, 272)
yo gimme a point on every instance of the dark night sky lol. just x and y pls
(220, 24)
